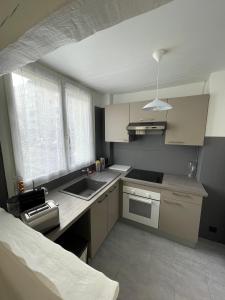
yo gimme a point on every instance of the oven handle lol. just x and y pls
(140, 199)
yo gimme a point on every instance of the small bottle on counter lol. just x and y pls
(98, 166)
(20, 185)
(102, 161)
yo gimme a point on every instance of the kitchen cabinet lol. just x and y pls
(137, 114)
(186, 122)
(116, 121)
(180, 216)
(99, 223)
(103, 215)
(113, 206)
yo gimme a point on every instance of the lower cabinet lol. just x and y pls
(103, 215)
(113, 206)
(180, 216)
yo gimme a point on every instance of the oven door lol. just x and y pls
(141, 210)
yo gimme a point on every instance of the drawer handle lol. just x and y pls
(149, 119)
(100, 201)
(173, 203)
(113, 189)
(181, 195)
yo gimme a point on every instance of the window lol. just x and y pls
(79, 127)
(39, 125)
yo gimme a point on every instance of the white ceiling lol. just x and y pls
(119, 59)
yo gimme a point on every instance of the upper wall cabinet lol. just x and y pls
(186, 122)
(137, 114)
(116, 121)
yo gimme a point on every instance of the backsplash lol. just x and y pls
(149, 152)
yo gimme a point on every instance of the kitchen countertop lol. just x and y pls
(71, 207)
(175, 183)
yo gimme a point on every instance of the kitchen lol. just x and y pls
(125, 167)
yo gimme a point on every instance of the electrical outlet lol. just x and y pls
(213, 229)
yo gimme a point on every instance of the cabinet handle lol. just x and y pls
(175, 142)
(181, 195)
(146, 120)
(100, 201)
(113, 189)
(173, 203)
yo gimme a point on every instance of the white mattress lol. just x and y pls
(33, 267)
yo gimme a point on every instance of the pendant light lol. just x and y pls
(157, 104)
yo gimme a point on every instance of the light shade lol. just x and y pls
(157, 105)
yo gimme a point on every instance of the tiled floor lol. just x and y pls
(149, 267)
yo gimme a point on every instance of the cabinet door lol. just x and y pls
(180, 219)
(113, 206)
(99, 223)
(186, 121)
(116, 121)
(137, 114)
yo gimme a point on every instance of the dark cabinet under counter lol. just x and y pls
(76, 238)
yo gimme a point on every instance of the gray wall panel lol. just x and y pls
(211, 173)
(150, 153)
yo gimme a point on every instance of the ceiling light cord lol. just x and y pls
(157, 104)
(157, 82)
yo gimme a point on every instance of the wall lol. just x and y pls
(216, 115)
(3, 189)
(151, 153)
(211, 171)
(5, 140)
(100, 99)
(196, 88)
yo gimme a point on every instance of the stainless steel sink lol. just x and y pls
(85, 188)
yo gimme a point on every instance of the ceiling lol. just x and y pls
(118, 59)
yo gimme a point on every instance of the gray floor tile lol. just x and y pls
(217, 291)
(149, 267)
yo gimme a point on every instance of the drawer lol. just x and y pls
(181, 196)
(180, 219)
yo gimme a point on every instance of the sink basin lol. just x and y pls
(85, 188)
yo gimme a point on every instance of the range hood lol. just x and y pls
(145, 128)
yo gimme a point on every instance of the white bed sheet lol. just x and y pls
(33, 267)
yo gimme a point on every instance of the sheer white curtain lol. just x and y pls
(37, 124)
(79, 121)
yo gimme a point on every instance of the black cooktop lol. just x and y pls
(151, 176)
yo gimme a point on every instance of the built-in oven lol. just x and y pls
(141, 206)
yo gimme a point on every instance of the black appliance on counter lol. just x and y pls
(31, 199)
(24, 201)
(151, 176)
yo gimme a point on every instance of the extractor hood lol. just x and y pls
(145, 128)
